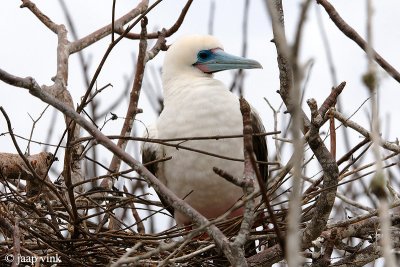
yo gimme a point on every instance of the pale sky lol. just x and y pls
(29, 49)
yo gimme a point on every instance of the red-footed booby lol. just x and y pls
(197, 105)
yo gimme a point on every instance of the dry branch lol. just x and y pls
(155, 35)
(353, 35)
(133, 101)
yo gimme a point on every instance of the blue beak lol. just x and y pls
(213, 60)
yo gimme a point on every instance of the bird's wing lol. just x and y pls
(260, 144)
(152, 152)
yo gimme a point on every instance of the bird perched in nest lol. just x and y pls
(197, 105)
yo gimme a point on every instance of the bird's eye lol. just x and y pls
(203, 54)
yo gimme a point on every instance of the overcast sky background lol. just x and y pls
(28, 48)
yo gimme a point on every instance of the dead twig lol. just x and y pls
(353, 35)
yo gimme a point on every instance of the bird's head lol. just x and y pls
(201, 55)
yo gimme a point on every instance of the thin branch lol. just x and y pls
(133, 101)
(326, 199)
(353, 35)
(331, 100)
(179, 146)
(28, 150)
(174, 28)
(41, 16)
(357, 127)
(142, 8)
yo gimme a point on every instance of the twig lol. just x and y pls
(42, 17)
(113, 20)
(353, 203)
(290, 77)
(139, 11)
(179, 146)
(379, 181)
(331, 100)
(28, 151)
(275, 114)
(133, 101)
(234, 180)
(299, 30)
(186, 257)
(16, 243)
(183, 139)
(353, 35)
(211, 18)
(250, 175)
(174, 28)
(244, 107)
(327, 47)
(326, 199)
(139, 223)
(355, 126)
(159, 45)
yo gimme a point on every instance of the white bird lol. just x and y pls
(197, 105)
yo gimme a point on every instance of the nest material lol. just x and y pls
(43, 228)
(105, 227)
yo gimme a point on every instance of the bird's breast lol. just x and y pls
(189, 174)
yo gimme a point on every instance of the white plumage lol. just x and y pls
(195, 104)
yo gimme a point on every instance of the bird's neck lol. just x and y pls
(178, 86)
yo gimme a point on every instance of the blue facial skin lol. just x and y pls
(213, 60)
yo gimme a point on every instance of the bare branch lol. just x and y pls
(84, 42)
(353, 35)
(41, 16)
(133, 101)
(174, 28)
(355, 126)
